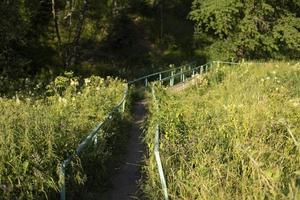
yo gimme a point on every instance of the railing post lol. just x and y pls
(201, 70)
(172, 78)
(123, 105)
(181, 70)
(146, 82)
(95, 139)
(160, 83)
(193, 73)
(63, 182)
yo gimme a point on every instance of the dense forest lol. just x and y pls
(131, 37)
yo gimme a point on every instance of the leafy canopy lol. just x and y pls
(249, 29)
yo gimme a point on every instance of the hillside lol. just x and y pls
(233, 136)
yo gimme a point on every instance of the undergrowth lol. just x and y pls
(38, 132)
(235, 135)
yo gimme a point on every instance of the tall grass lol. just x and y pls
(38, 132)
(236, 135)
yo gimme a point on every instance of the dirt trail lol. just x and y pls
(125, 181)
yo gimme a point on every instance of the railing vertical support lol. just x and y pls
(156, 154)
(146, 82)
(181, 70)
(160, 83)
(123, 106)
(63, 183)
(172, 78)
(95, 139)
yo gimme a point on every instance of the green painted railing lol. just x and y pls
(182, 73)
(92, 136)
(156, 152)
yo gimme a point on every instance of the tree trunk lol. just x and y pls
(72, 58)
(57, 31)
(56, 23)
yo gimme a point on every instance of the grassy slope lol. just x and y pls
(235, 136)
(38, 133)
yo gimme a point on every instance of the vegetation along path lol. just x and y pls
(125, 182)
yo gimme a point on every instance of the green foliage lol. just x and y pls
(110, 37)
(249, 29)
(235, 135)
(39, 132)
(24, 44)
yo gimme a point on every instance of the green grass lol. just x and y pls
(38, 132)
(235, 135)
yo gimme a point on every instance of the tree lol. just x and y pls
(248, 29)
(23, 28)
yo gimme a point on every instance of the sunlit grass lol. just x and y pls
(234, 136)
(38, 132)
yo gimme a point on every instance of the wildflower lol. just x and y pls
(69, 74)
(17, 100)
(296, 104)
(62, 100)
(74, 82)
(87, 81)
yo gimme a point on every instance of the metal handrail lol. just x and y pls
(153, 74)
(157, 133)
(93, 134)
(156, 152)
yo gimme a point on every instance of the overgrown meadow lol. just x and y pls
(235, 135)
(38, 132)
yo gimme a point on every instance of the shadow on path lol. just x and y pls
(125, 181)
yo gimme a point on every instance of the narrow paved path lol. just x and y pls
(125, 182)
(194, 80)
